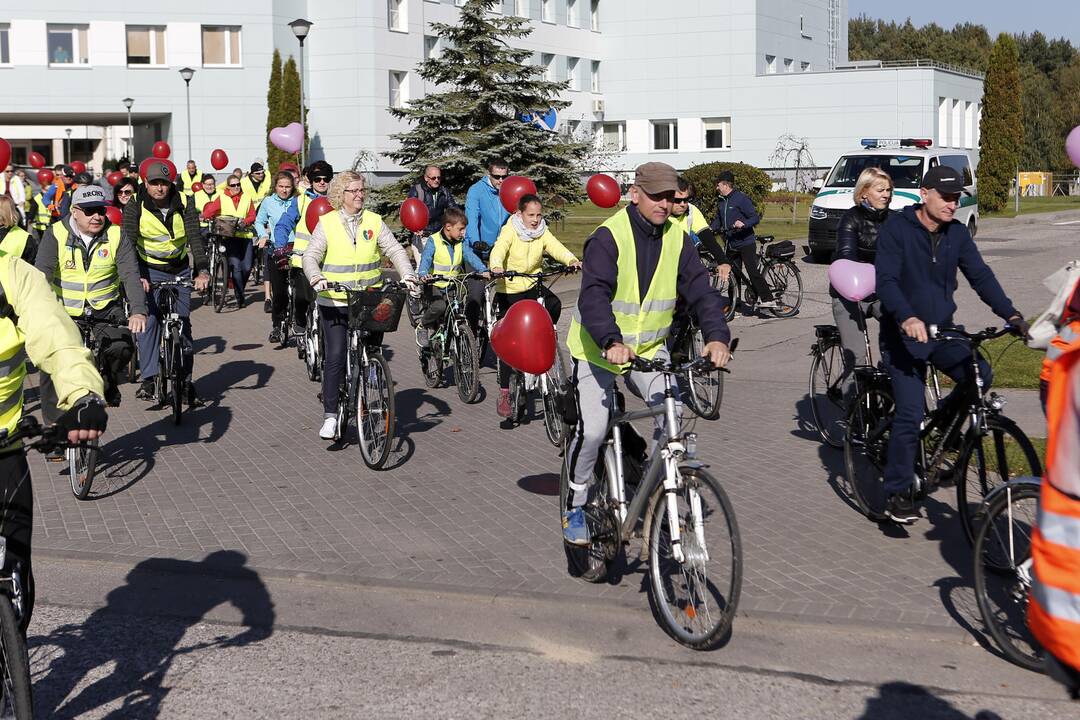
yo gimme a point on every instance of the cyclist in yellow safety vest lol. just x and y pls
(88, 262)
(635, 266)
(255, 184)
(347, 247)
(238, 248)
(446, 253)
(13, 239)
(34, 328)
(188, 177)
(209, 192)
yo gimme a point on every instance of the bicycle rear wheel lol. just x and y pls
(786, 281)
(695, 600)
(706, 388)
(826, 394)
(1003, 572)
(220, 283)
(869, 419)
(82, 465)
(375, 420)
(312, 348)
(17, 701)
(730, 291)
(988, 461)
(591, 563)
(466, 363)
(518, 395)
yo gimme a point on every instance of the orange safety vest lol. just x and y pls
(1054, 605)
(1058, 345)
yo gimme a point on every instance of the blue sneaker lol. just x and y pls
(574, 530)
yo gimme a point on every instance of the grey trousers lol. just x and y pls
(593, 389)
(846, 316)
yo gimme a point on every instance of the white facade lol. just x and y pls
(709, 80)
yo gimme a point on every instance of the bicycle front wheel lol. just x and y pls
(17, 701)
(694, 599)
(82, 465)
(730, 291)
(1003, 572)
(466, 363)
(865, 445)
(988, 461)
(220, 283)
(826, 394)
(375, 411)
(176, 376)
(706, 386)
(786, 281)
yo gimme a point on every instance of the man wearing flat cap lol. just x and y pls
(636, 264)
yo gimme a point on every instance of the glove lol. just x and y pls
(1020, 326)
(87, 414)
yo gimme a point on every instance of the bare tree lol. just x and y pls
(793, 153)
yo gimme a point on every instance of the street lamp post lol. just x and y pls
(301, 28)
(187, 73)
(128, 102)
(67, 147)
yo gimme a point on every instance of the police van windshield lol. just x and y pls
(905, 170)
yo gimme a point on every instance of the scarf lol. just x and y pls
(524, 233)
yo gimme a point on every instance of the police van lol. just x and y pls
(905, 160)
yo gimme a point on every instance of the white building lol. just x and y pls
(706, 80)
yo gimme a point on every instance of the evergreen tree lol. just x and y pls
(273, 110)
(1002, 127)
(290, 103)
(482, 83)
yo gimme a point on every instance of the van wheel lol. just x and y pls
(972, 227)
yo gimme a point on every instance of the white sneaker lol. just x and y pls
(328, 429)
(768, 304)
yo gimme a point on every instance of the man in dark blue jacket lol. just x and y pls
(735, 220)
(918, 253)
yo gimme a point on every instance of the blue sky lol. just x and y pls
(1054, 18)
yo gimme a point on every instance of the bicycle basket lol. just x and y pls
(376, 310)
(783, 250)
(224, 226)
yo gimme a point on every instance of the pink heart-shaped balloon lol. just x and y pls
(289, 138)
(853, 280)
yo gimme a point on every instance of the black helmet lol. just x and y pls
(320, 167)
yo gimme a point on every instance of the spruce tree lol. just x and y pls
(1002, 127)
(273, 110)
(482, 83)
(290, 103)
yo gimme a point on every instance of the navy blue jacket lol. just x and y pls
(736, 206)
(600, 261)
(915, 279)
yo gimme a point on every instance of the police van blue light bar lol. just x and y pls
(921, 143)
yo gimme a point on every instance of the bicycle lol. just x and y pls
(965, 439)
(219, 273)
(17, 697)
(554, 385)
(453, 343)
(171, 350)
(704, 389)
(780, 272)
(695, 576)
(366, 383)
(284, 326)
(310, 348)
(1003, 568)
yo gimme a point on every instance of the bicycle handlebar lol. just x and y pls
(387, 285)
(177, 283)
(563, 270)
(666, 366)
(957, 332)
(29, 427)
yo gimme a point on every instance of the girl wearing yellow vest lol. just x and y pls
(347, 247)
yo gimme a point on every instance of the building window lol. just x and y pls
(547, 61)
(145, 45)
(789, 65)
(220, 45)
(665, 135)
(572, 13)
(717, 133)
(547, 11)
(397, 13)
(5, 44)
(521, 8)
(614, 136)
(431, 46)
(770, 64)
(68, 45)
(594, 15)
(594, 76)
(572, 72)
(571, 128)
(399, 91)
(804, 66)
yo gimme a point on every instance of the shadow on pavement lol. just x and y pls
(228, 376)
(901, 701)
(203, 345)
(409, 403)
(139, 633)
(542, 484)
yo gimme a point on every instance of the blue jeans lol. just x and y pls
(908, 376)
(240, 253)
(150, 341)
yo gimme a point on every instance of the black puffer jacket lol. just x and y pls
(856, 235)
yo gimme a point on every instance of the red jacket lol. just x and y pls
(213, 208)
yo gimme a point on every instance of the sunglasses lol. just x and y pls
(91, 210)
(233, 185)
(320, 179)
(435, 177)
(129, 191)
(500, 177)
(680, 201)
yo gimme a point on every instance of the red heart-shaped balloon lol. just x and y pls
(603, 191)
(161, 149)
(414, 214)
(218, 159)
(524, 338)
(512, 189)
(317, 208)
(114, 214)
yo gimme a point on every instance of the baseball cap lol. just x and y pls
(320, 168)
(656, 177)
(88, 196)
(944, 180)
(158, 171)
(256, 167)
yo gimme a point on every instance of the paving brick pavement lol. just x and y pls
(469, 505)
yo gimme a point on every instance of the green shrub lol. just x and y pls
(749, 179)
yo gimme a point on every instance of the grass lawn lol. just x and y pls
(1030, 206)
(1015, 364)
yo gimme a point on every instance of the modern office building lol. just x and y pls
(705, 80)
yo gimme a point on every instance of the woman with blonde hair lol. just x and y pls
(13, 239)
(856, 240)
(347, 247)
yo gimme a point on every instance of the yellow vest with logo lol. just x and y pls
(43, 217)
(692, 222)
(448, 259)
(14, 243)
(98, 284)
(12, 362)
(644, 322)
(156, 244)
(359, 264)
(188, 180)
(301, 236)
(256, 195)
(239, 210)
(202, 198)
